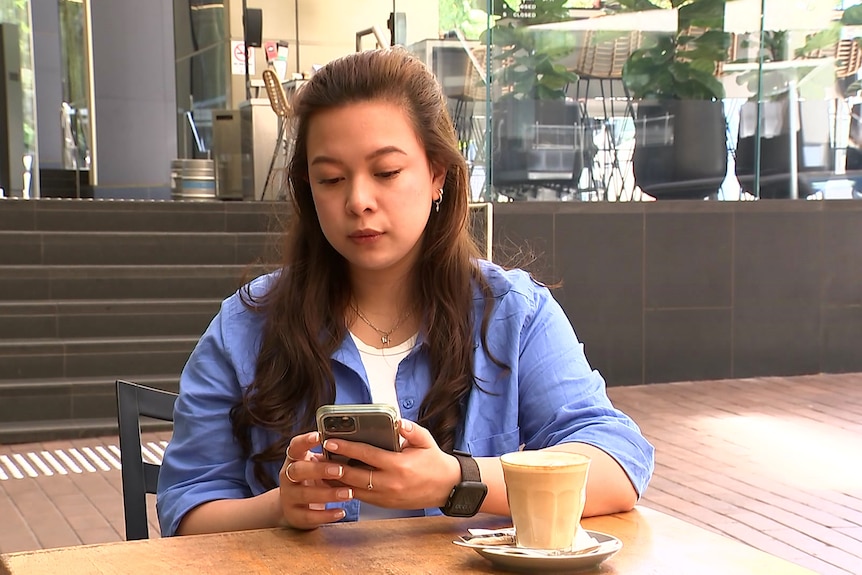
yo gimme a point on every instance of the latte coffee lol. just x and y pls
(546, 492)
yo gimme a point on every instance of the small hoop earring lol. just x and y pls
(438, 201)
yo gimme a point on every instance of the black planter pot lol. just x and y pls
(813, 155)
(680, 148)
(774, 167)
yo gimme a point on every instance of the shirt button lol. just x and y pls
(407, 403)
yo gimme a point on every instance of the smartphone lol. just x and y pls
(376, 424)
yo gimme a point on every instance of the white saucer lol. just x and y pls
(513, 558)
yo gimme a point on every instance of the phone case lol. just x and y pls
(376, 424)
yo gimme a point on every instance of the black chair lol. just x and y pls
(139, 477)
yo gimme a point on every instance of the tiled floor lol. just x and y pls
(774, 462)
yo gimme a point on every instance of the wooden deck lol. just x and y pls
(774, 462)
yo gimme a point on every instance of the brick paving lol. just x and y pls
(774, 462)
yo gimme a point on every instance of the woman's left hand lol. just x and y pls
(420, 476)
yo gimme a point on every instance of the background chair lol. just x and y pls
(278, 164)
(606, 109)
(139, 477)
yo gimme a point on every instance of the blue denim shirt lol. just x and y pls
(551, 395)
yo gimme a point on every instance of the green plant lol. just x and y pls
(683, 65)
(775, 48)
(528, 59)
(468, 16)
(832, 35)
(850, 17)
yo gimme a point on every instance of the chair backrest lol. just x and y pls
(139, 477)
(596, 57)
(275, 93)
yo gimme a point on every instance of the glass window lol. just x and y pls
(648, 99)
(201, 72)
(17, 12)
(75, 111)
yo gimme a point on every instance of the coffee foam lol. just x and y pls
(550, 460)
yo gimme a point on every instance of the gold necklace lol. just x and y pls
(384, 335)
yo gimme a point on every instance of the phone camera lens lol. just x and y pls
(342, 424)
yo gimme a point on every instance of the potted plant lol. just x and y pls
(778, 91)
(680, 148)
(536, 137)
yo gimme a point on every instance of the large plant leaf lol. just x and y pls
(542, 92)
(692, 83)
(499, 36)
(705, 57)
(646, 72)
(552, 82)
(717, 40)
(822, 39)
(550, 11)
(702, 14)
(852, 16)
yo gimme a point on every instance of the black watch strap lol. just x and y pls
(469, 467)
(467, 496)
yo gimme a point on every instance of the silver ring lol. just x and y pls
(290, 458)
(370, 475)
(287, 473)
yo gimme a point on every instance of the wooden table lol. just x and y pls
(653, 543)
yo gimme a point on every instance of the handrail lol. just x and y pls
(376, 32)
(199, 144)
(480, 69)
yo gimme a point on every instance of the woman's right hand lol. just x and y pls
(303, 487)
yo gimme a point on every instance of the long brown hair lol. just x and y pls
(306, 304)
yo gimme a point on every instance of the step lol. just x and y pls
(23, 401)
(58, 183)
(121, 282)
(133, 248)
(57, 214)
(109, 358)
(65, 429)
(105, 318)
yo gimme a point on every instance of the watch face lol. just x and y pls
(466, 499)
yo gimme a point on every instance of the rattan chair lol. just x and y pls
(598, 61)
(281, 151)
(139, 477)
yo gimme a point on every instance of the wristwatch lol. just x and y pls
(467, 496)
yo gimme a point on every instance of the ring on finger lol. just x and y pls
(370, 475)
(290, 458)
(287, 473)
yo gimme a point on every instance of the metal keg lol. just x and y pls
(193, 180)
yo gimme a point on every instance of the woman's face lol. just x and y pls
(372, 184)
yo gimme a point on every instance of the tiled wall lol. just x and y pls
(674, 291)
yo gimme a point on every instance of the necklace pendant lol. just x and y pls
(384, 339)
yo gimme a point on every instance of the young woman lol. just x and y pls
(382, 297)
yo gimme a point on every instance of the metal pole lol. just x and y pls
(487, 185)
(793, 126)
(245, 47)
(296, 19)
(757, 147)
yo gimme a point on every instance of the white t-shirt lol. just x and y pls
(381, 366)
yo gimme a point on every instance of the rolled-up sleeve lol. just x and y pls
(562, 399)
(203, 462)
